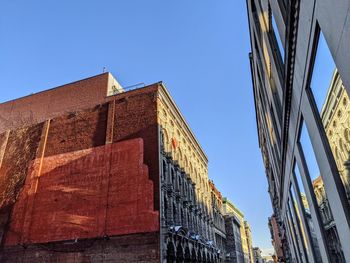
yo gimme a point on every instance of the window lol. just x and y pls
(331, 100)
(277, 36)
(296, 216)
(320, 195)
(298, 184)
(292, 234)
(296, 228)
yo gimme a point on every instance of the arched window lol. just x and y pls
(165, 207)
(182, 217)
(172, 175)
(347, 139)
(341, 145)
(166, 140)
(164, 171)
(179, 183)
(180, 155)
(174, 213)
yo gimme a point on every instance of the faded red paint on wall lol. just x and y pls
(86, 189)
(136, 117)
(83, 194)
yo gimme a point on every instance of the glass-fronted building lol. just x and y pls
(300, 66)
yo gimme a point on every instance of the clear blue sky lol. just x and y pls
(199, 48)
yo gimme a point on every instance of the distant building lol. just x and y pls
(234, 251)
(219, 221)
(231, 210)
(249, 240)
(257, 255)
(276, 239)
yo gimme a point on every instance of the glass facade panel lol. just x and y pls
(332, 102)
(292, 234)
(278, 37)
(296, 225)
(307, 214)
(302, 228)
(325, 212)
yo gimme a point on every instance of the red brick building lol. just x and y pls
(81, 172)
(276, 239)
(79, 175)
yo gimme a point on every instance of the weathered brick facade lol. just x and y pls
(126, 248)
(96, 192)
(79, 175)
(55, 102)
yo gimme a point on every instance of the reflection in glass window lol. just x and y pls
(332, 101)
(307, 214)
(290, 242)
(291, 203)
(329, 226)
(292, 234)
(278, 37)
(301, 189)
(296, 210)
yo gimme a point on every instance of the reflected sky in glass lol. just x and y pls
(309, 154)
(278, 37)
(300, 184)
(322, 73)
(298, 177)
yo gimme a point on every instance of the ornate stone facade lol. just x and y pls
(248, 233)
(187, 212)
(185, 232)
(336, 119)
(234, 252)
(219, 221)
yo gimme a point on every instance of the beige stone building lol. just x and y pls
(182, 144)
(248, 233)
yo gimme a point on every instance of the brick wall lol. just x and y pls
(96, 192)
(136, 117)
(142, 248)
(91, 173)
(17, 149)
(55, 102)
(77, 131)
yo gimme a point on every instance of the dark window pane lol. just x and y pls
(307, 214)
(295, 222)
(292, 234)
(299, 221)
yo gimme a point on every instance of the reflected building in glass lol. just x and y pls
(335, 116)
(300, 66)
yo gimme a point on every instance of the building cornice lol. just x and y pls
(230, 204)
(292, 32)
